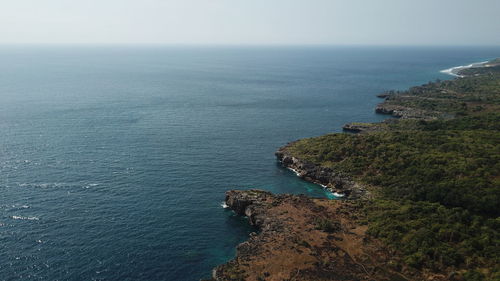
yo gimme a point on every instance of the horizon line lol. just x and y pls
(129, 44)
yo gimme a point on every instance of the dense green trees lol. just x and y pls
(457, 168)
(432, 236)
(476, 94)
(437, 182)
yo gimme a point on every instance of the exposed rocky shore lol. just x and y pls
(301, 238)
(439, 99)
(403, 111)
(327, 177)
(472, 69)
(357, 127)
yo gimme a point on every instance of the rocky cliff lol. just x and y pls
(327, 177)
(390, 107)
(301, 238)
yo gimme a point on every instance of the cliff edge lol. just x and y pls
(301, 238)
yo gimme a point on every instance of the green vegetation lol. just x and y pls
(326, 225)
(459, 97)
(364, 124)
(485, 121)
(455, 168)
(494, 69)
(437, 182)
(434, 237)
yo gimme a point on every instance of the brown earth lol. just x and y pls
(302, 238)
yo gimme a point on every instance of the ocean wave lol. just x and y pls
(295, 171)
(325, 187)
(43, 185)
(454, 70)
(14, 207)
(57, 185)
(33, 218)
(90, 185)
(224, 205)
(19, 207)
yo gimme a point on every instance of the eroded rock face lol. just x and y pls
(394, 105)
(302, 238)
(239, 202)
(405, 112)
(356, 128)
(363, 128)
(330, 179)
(250, 204)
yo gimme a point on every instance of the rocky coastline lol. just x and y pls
(334, 181)
(464, 70)
(435, 100)
(356, 127)
(302, 238)
(391, 106)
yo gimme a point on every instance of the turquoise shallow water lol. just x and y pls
(114, 160)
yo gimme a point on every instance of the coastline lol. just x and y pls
(339, 184)
(321, 239)
(433, 100)
(342, 186)
(335, 194)
(280, 218)
(455, 71)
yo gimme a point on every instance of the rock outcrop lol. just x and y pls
(302, 238)
(404, 112)
(362, 127)
(354, 128)
(327, 177)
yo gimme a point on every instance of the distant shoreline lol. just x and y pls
(455, 71)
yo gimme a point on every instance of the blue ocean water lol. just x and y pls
(114, 160)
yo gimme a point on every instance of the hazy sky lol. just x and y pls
(374, 22)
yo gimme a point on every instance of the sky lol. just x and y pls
(251, 22)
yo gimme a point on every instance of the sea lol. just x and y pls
(115, 160)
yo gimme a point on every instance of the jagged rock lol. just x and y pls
(330, 179)
(363, 127)
(405, 112)
(302, 238)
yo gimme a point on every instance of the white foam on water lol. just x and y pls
(449, 71)
(224, 205)
(337, 195)
(25, 218)
(91, 185)
(295, 171)
(454, 70)
(44, 185)
(47, 185)
(15, 207)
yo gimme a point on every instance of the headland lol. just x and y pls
(422, 196)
